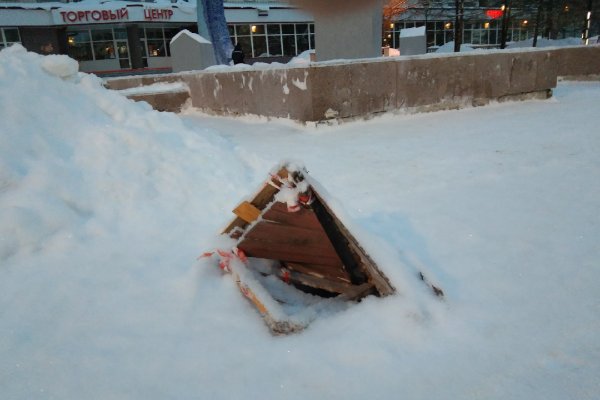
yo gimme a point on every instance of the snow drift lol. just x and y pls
(80, 160)
(105, 205)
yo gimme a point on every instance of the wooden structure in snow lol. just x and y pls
(289, 222)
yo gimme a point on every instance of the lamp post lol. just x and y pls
(458, 24)
(505, 21)
(588, 22)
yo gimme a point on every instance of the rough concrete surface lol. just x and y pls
(358, 89)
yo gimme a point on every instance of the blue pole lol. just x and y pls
(202, 25)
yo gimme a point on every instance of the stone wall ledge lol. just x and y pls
(338, 90)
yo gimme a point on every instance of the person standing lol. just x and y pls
(237, 55)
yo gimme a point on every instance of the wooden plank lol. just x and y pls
(267, 192)
(261, 249)
(247, 212)
(304, 218)
(260, 200)
(324, 284)
(304, 239)
(236, 223)
(320, 271)
(358, 292)
(367, 265)
(276, 326)
(340, 242)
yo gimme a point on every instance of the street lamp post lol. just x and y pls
(588, 23)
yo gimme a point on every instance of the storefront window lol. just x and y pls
(99, 35)
(287, 29)
(274, 29)
(274, 45)
(169, 34)
(99, 44)
(103, 44)
(302, 38)
(260, 46)
(289, 45)
(80, 45)
(262, 40)
(122, 47)
(144, 52)
(104, 50)
(242, 29)
(9, 36)
(246, 43)
(258, 29)
(156, 41)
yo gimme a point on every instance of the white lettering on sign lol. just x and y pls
(95, 15)
(151, 14)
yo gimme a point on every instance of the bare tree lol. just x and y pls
(459, 19)
(392, 9)
(538, 19)
(506, 11)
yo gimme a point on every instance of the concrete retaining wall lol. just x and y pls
(348, 90)
(579, 61)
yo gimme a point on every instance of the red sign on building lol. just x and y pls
(162, 14)
(95, 15)
(494, 14)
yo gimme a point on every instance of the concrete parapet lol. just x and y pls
(168, 101)
(578, 61)
(342, 90)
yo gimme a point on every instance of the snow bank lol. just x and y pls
(159, 87)
(79, 161)
(543, 42)
(105, 204)
(60, 65)
(449, 48)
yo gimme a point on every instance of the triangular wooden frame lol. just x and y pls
(317, 253)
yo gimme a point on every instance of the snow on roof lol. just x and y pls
(192, 35)
(412, 32)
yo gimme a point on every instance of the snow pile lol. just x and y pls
(105, 204)
(302, 59)
(79, 161)
(543, 42)
(159, 87)
(449, 48)
(60, 65)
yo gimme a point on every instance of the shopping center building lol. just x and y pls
(118, 36)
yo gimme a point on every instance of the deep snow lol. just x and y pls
(105, 205)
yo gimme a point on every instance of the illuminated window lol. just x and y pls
(99, 44)
(262, 40)
(80, 45)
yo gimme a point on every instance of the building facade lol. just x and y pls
(482, 21)
(121, 37)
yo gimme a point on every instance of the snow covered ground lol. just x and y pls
(105, 205)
